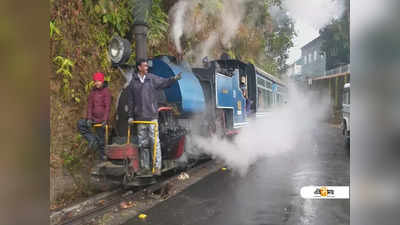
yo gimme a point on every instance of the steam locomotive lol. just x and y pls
(217, 99)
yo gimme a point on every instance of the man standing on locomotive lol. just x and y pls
(98, 110)
(143, 106)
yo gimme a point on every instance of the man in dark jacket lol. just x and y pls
(143, 106)
(98, 110)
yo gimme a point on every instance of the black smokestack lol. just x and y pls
(141, 13)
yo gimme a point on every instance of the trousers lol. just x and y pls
(91, 137)
(146, 138)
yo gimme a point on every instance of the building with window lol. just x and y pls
(313, 59)
(293, 69)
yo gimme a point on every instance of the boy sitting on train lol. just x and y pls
(243, 84)
(98, 110)
(248, 103)
(243, 88)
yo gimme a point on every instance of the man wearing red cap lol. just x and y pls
(98, 110)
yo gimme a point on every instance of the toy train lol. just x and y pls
(217, 99)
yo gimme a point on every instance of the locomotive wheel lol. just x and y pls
(140, 181)
(131, 180)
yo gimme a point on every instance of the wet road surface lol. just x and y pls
(270, 192)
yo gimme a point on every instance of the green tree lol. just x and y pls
(264, 37)
(336, 40)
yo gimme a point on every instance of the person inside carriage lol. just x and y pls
(98, 110)
(243, 88)
(143, 106)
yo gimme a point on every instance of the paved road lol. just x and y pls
(269, 194)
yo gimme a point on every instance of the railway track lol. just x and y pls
(87, 212)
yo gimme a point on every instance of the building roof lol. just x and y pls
(331, 76)
(273, 78)
(311, 42)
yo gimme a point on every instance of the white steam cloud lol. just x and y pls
(186, 19)
(282, 130)
(310, 16)
(229, 15)
(178, 24)
(203, 49)
(316, 13)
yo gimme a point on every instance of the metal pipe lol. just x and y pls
(140, 32)
(141, 13)
(128, 141)
(106, 134)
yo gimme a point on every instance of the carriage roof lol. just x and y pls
(269, 76)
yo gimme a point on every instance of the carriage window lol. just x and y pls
(264, 100)
(269, 97)
(260, 102)
(260, 82)
(269, 84)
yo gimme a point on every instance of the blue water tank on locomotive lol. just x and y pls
(187, 93)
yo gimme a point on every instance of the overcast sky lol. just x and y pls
(309, 17)
(305, 34)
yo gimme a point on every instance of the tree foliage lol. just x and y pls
(158, 29)
(80, 31)
(264, 38)
(336, 40)
(261, 38)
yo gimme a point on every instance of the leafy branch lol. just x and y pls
(65, 67)
(54, 30)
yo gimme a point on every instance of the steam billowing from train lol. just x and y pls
(282, 130)
(231, 13)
